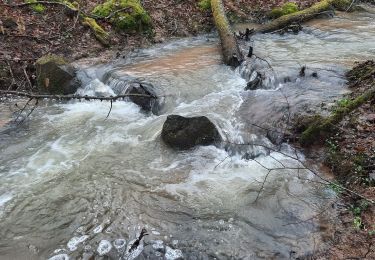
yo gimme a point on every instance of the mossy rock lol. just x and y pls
(125, 14)
(287, 8)
(56, 76)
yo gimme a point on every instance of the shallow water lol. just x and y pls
(74, 183)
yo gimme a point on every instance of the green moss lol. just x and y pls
(325, 126)
(39, 8)
(204, 5)
(287, 8)
(98, 31)
(125, 14)
(51, 58)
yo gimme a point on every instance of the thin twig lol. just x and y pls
(350, 6)
(28, 79)
(22, 109)
(31, 111)
(109, 112)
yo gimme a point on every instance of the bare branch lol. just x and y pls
(70, 97)
(109, 112)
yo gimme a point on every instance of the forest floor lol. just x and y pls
(26, 35)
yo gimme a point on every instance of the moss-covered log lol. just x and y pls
(231, 52)
(323, 126)
(305, 15)
(100, 34)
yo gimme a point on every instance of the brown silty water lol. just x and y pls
(74, 183)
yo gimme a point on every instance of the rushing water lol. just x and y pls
(75, 183)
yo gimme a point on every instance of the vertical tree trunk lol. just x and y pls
(231, 52)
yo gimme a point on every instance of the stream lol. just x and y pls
(74, 183)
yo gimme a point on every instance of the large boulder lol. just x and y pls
(56, 76)
(149, 102)
(186, 132)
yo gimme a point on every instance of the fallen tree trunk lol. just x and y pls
(323, 126)
(304, 15)
(232, 55)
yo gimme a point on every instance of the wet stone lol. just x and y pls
(187, 132)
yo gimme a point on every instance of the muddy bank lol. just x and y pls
(347, 148)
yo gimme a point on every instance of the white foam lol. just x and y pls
(158, 244)
(96, 88)
(156, 233)
(173, 254)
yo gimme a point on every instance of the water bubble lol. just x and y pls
(119, 243)
(59, 250)
(173, 254)
(59, 257)
(108, 230)
(87, 248)
(98, 229)
(104, 247)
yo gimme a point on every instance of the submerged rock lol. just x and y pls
(147, 103)
(56, 76)
(254, 83)
(184, 133)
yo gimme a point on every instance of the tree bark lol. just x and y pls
(232, 55)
